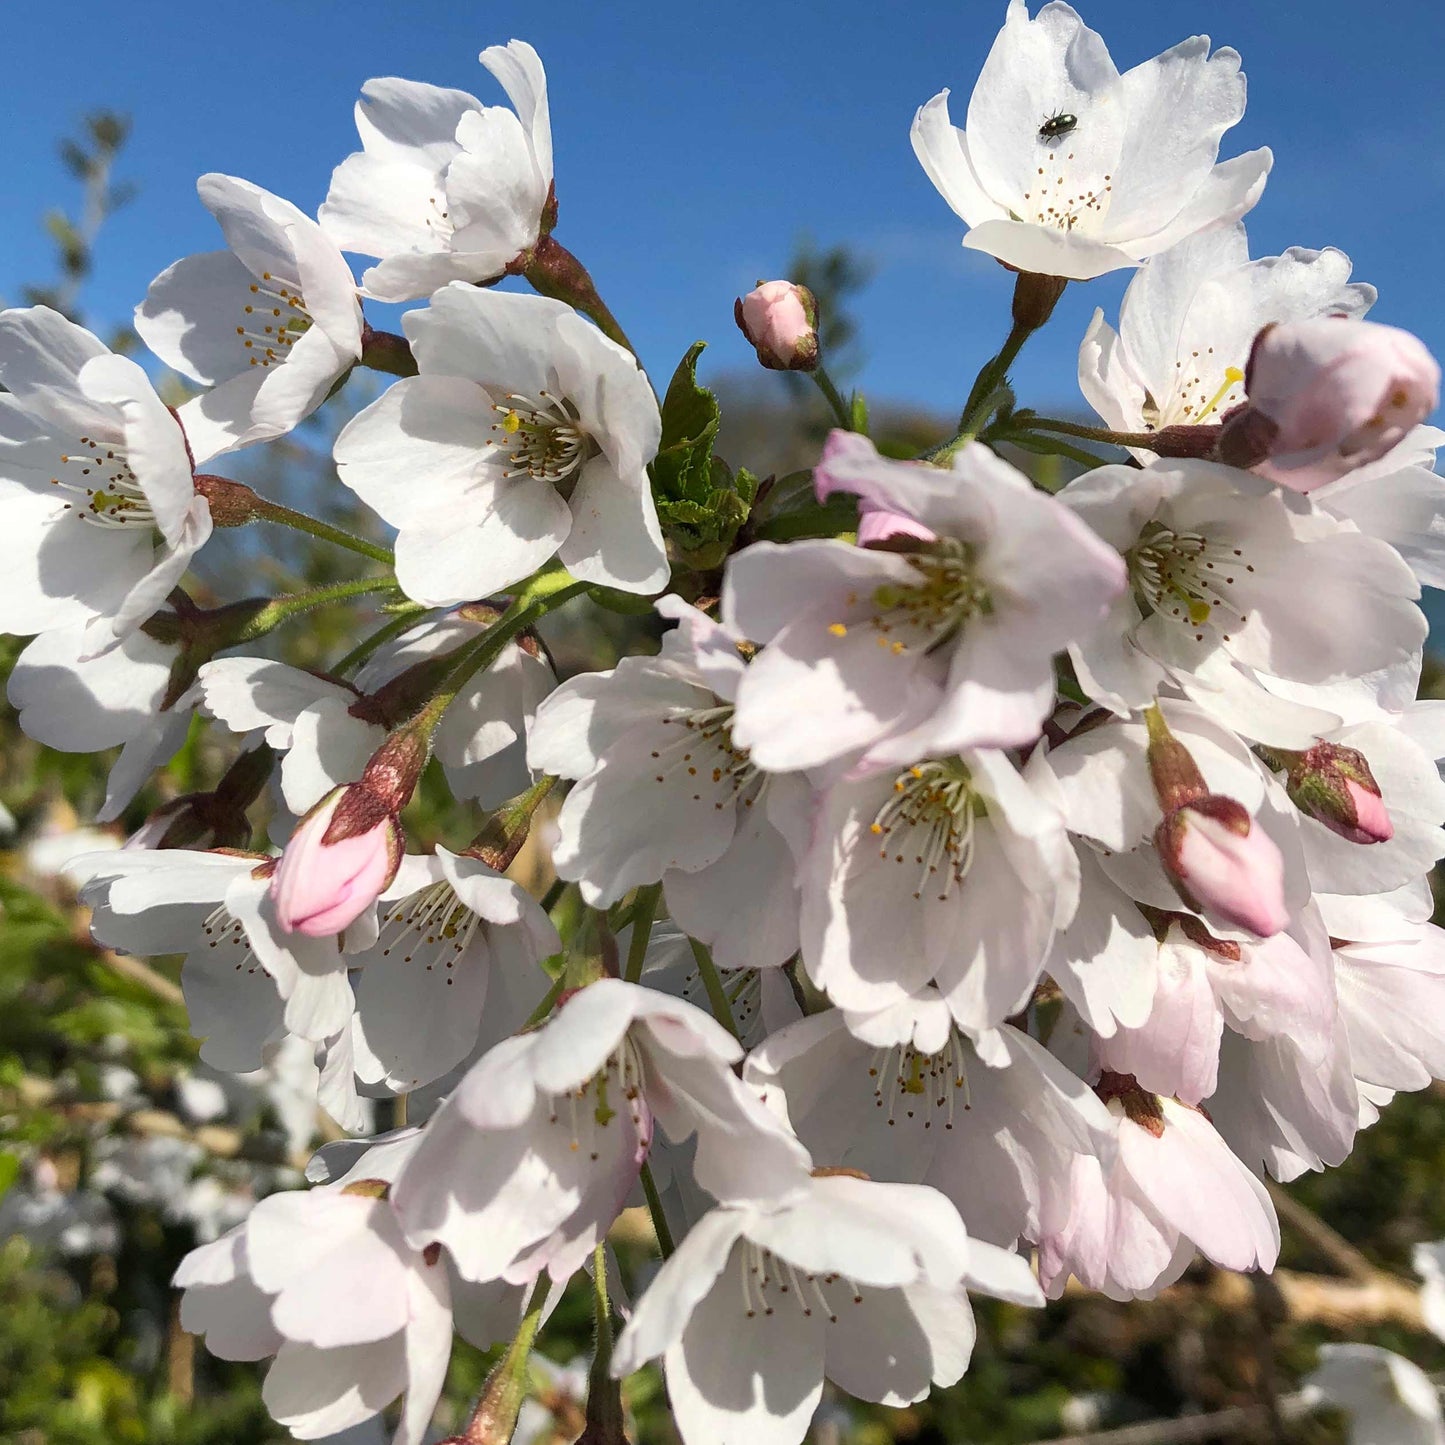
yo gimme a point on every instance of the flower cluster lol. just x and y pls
(990, 890)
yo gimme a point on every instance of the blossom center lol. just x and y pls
(912, 1085)
(930, 823)
(923, 613)
(1192, 402)
(1186, 576)
(98, 475)
(434, 927)
(703, 752)
(1063, 201)
(272, 321)
(770, 1283)
(222, 931)
(541, 436)
(587, 1112)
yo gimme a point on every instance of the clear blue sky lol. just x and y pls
(694, 142)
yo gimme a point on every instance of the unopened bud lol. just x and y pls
(233, 504)
(342, 854)
(1335, 786)
(1328, 395)
(780, 319)
(1220, 861)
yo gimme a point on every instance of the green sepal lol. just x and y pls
(700, 502)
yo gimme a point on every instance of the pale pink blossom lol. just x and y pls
(1218, 859)
(1328, 395)
(780, 321)
(335, 865)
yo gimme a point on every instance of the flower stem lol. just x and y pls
(405, 617)
(707, 971)
(546, 592)
(604, 1424)
(495, 1418)
(552, 270)
(268, 511)
(644, 911)
(988, 381)
(841, 410)
(545, 1007)
(282, 609)
(654, 1208)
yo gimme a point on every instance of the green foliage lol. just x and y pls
(701, 503)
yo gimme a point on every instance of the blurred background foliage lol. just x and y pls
(119, 1151)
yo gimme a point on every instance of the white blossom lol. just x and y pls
(269, 324)
(445, 188)
(100, 509)
(1067, 168)
(526, 435)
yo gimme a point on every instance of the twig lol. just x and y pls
(1216, 1425)
(137, 970)
(1333, 1245)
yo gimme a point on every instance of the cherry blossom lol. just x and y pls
(1188, 321)
(1220, 565)
(269, 324)
(955, 872)
(527, 434)
(1067, 168)
(858, 1281)
(324, 1280)
(664, 793)
(444, 187)
(99, 503)
(1174, 1187)
(901, 654)
(563, 1117)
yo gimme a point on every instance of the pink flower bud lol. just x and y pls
(780, 320)
(1220, 861)
(1330, 394)
(1372, 821)
(341, 856)
(1334, 785)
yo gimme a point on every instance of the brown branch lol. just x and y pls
(1218, 1424)
(1327, 1240)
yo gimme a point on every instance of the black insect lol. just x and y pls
(1056, 127)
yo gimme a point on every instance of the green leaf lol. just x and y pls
(700, 503)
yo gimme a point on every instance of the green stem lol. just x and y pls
(643, 913)
(282, 609)
(989, 378)
(841, 409)
(605, 1420)
(405, 617)
(1051, 447)
(1088, 433)
(546, 1006)
(495, 1418)
(546, 592)
(654, 1208)
(553, 895)
(707, 971)
(268, 511)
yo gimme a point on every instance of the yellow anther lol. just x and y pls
(1232, 377)
(838, 629)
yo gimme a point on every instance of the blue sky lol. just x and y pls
(694, 142)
